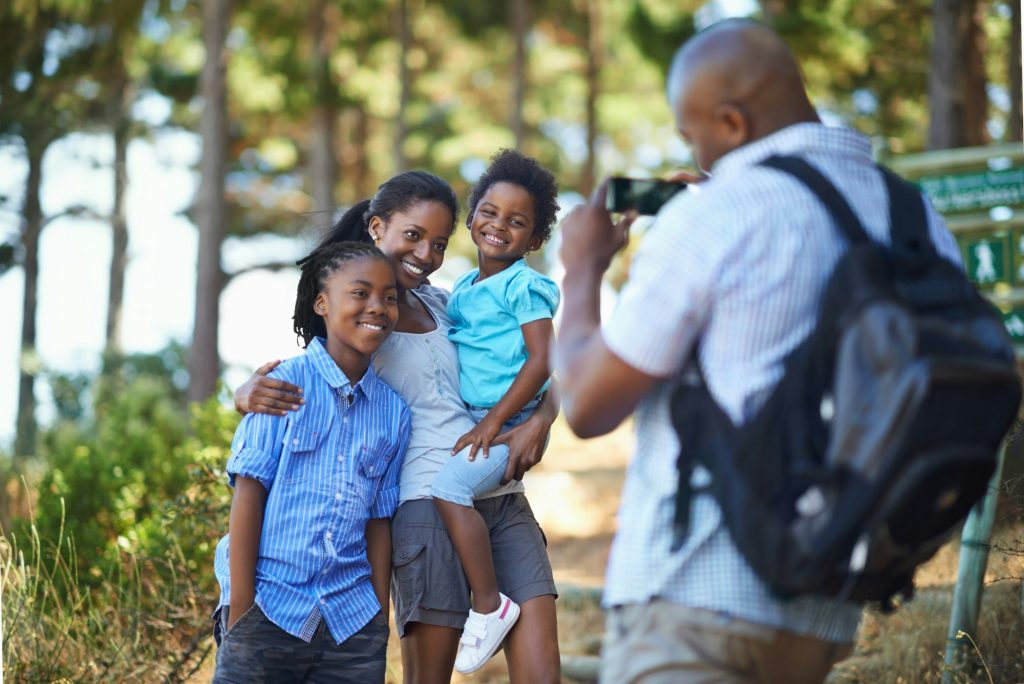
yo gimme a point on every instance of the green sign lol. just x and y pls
(987, 258)
(978, 190)
(1014, 322)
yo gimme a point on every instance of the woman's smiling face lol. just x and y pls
(415, 240)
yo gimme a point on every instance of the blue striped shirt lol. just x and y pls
(328, 468)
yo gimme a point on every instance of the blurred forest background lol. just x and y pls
(112, 483)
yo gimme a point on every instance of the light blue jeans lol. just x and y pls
(461, 481)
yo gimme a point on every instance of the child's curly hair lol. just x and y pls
(510, 166)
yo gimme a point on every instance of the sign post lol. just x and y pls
(980, 191)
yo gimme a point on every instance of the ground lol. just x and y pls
(575, 495)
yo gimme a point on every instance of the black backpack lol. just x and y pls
(883, 430)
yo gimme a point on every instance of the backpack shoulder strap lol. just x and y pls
(908, 219)
(849, 225)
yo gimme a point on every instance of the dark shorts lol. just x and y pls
(428, 584)
(255, 650)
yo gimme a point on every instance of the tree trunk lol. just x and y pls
(1015, 120)
(519, 19)
(211, 209)
(32, 214)
(595, 51)
(361, 140)
(323, 162)
(771, 10)
(118, 226)
(956, 83)
(975, 79)
(405, 83)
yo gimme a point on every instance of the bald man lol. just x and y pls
(736, 263)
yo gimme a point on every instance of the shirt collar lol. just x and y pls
(517, 265)
(333, 375)
(796, 139)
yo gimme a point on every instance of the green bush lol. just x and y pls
(110, 578)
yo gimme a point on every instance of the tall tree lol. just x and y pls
(404, 35)
(958, 102)
(120, 20)
(1015, 122)
(44, 94)
(211, 205)
(595, 58)
(323, 166)
(519, 23)
(121, 124)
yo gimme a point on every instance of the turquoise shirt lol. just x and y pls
(486, 319)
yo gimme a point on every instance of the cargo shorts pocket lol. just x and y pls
(409, 567)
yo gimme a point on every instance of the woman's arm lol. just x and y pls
(260, 394)
(526, 442)
(245, 528)
(378, 552)
(531, 377)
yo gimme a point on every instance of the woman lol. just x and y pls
(411, 219)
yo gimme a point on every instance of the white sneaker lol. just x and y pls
(483, 634)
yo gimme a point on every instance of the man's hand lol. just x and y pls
(589, 237)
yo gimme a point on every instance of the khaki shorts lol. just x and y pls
(667, 643)
(428, 584)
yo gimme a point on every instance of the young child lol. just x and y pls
(502, 326)
(305, 569)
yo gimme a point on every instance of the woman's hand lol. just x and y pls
(260, 394)
(480, 437)
(526, 444)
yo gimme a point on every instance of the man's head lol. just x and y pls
(732, 84)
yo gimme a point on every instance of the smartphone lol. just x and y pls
(645, 195)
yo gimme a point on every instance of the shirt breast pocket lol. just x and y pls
(298, 458)
(375, 455)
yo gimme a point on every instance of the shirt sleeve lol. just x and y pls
(667, 299)
(531, 296)
(256, 448)
(386, 502)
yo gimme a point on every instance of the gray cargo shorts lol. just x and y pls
(428, 584)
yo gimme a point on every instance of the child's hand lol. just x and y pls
(479, 437)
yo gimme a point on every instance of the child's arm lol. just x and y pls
(378, 552)
(245, 527)
(535, 372)
(378, 527)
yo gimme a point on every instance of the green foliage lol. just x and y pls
(111, 578)
(138, 475)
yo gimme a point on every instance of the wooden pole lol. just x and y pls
(974, 545)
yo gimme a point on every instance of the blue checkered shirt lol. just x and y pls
(328, 468)
(739, 262)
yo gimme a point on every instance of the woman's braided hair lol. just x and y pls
(316, 267)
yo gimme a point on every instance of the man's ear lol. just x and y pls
(734, 123)
(320, 304)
